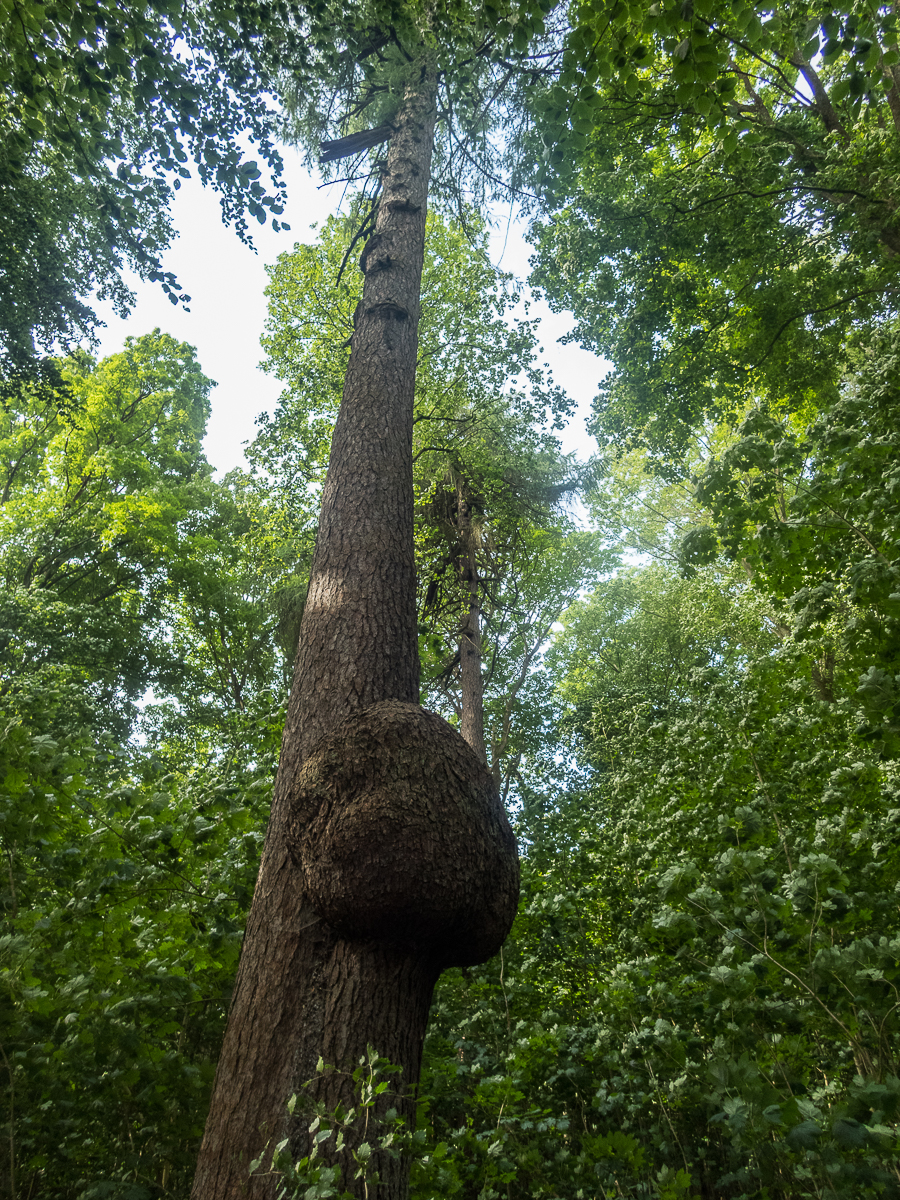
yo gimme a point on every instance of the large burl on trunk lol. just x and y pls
(405, 854)
(388, 855)
(400, 836)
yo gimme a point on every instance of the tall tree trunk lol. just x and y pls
(471, 724)
(388, 855)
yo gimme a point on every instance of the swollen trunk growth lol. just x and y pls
(388, 855)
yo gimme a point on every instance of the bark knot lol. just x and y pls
(388, 311)
(401, 836)
(370, 260)
(406, 206)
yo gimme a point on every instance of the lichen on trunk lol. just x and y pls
(388, 854)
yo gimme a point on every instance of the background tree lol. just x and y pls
(811, 512)
(731, 260)
(102, 108)
(742, 274)
(94, 496)
(689, 1083)
(231, 617)
(130, 830)
(494, 582)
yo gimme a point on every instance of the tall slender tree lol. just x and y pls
(388, 855)
(472, 683)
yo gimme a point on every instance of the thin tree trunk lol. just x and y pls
(471, 724)
(382, 832)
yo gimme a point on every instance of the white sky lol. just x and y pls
(225, 281)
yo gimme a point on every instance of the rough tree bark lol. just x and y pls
(388, 854)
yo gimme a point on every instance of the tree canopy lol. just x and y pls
(103, 107)
(739, 255)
